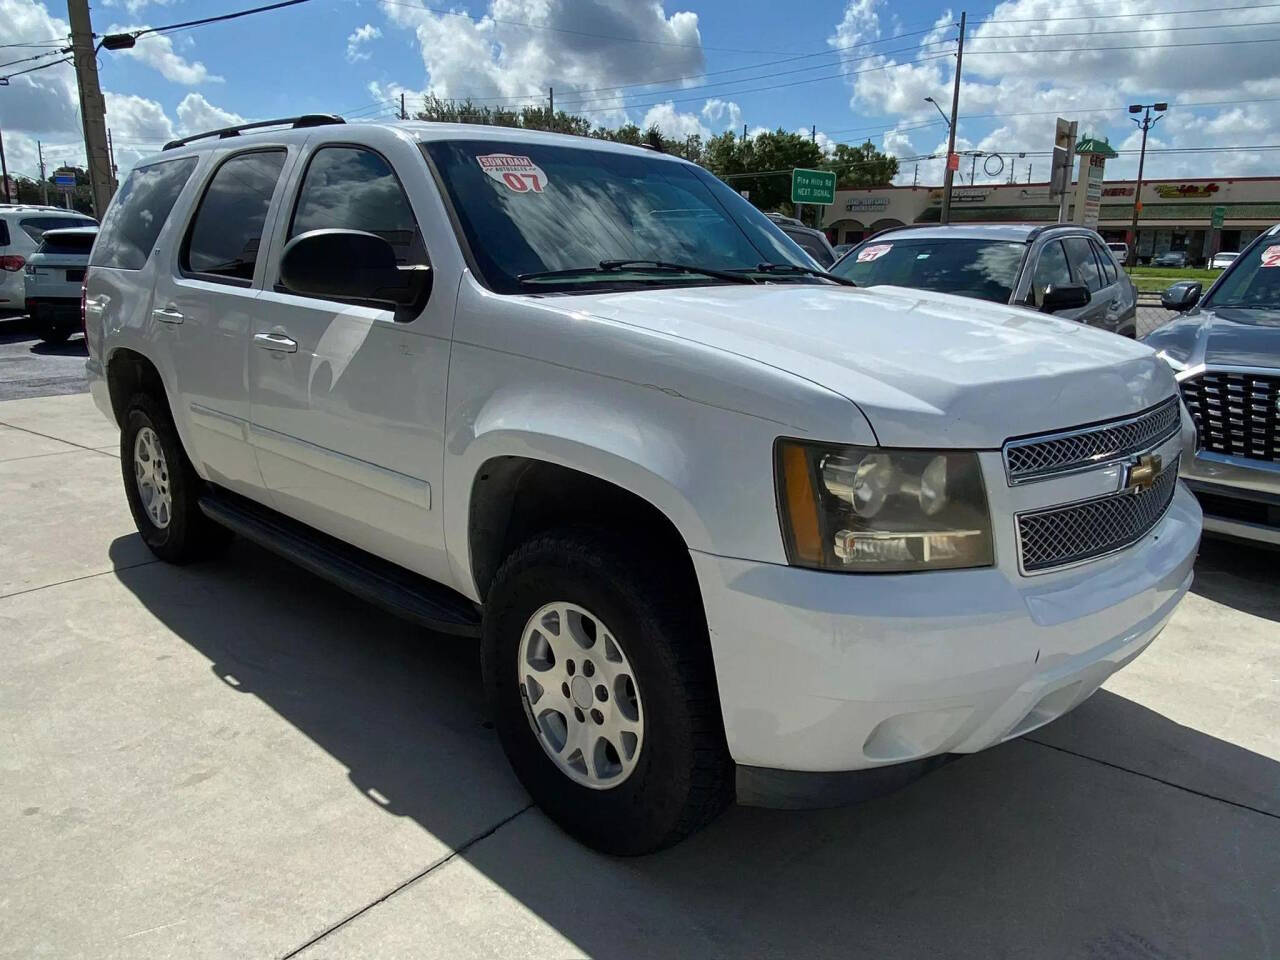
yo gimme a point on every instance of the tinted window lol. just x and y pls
(354, 189)
(535, 207)
(982, 269)
(812, 246)
(227, 230)
(75, 244)
(1083, 263)
(1051, 269)
(34, 227)
(1252, 282)
(1104, 259)
(138, 212)
(4, 234)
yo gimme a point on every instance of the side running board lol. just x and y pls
(371, 578)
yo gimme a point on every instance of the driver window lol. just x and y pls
(1052, 270)
(1083, 263)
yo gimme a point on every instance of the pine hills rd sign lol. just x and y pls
(813, 186)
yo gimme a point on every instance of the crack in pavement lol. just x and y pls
(87, 576)
(37, 433)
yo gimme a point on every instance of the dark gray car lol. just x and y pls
(1061, 269)
(811, 241)
(1225, 353)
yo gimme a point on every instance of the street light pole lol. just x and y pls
(951, 132)
(1146, 123)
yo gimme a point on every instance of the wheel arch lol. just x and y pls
(129, 372)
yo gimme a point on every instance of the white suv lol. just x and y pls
(722, 525)
(21, 228)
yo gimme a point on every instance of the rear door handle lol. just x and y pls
(276, 341)
(167, 315)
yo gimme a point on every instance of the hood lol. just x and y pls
(926, 369)
(1227, 337)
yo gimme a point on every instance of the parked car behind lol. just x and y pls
(1222, 260)
(54, 278)
(1172, 258)
(1064, 270)
(813, 242)
(21, 226)
(840, 249)
(1225, 353)
(1119, 250)
(720, 526)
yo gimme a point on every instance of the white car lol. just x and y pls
(1120, 251)
(54, 279)
(21, 227)
(722, 527)
(1220, 261)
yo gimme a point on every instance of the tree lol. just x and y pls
(862, 167)
(770, 156)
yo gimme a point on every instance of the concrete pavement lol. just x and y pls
(233, 759)
(29, 368)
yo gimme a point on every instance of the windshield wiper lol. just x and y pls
(639, 266)
(807, 271)
(1242, 306)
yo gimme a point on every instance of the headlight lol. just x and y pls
(869, 510)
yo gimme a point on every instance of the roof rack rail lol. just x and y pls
(297, 123)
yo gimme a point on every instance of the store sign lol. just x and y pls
(1186, 191)
(1117, 191)
(865, 204)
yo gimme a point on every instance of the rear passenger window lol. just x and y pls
(1104, 258)
(4, 234)
(138, 212)
(1083, 263)
(226, 233)
(351, 188)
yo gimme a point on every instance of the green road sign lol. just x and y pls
(1219, 215)
(813, 186)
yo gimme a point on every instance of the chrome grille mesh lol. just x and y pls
(1038, 458)
(1236, 413)
(1064, 535)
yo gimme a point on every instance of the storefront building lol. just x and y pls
(1175, 215)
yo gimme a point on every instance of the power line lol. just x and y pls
(1113, 33)
(38, 56)
(42, 66)
(171, 27)
(1119, 16)
(1150, 46)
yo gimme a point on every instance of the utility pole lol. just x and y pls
(551, 100)
(4, 169)
(1146, 123)
(403, 115)
(951, 134)
(111, 153)
(915, 177)
(93, 108)
(813, 133)
(973, 169)
(1028, 173)
(44, 180)
(744, 131)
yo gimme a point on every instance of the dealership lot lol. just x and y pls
(235, 759)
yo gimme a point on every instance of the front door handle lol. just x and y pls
(276, 341)
(167, 315)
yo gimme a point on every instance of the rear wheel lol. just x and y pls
(163, 488)
(53, 333)
(599, 676)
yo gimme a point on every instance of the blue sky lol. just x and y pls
(690, 66)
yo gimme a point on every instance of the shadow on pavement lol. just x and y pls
(1028, 850)
(76, 346)
(1239, 575)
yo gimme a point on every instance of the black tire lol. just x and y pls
(55, 334)
(189, 534)
(684, 776)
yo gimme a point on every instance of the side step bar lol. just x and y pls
(371, 578)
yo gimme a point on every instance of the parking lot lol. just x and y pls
(236, 759)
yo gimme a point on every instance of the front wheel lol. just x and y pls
(55, 334)
(599, 676)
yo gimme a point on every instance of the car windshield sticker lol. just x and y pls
(874, 252)
(1271, 256)
(517, 174)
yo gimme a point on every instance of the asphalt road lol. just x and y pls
(30, 368)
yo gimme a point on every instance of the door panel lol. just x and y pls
(348, 399)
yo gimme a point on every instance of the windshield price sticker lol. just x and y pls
(874, 252)
(517, 174)
(1271, 256)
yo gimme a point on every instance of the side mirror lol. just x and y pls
(1068, 296)
(1181, 296)
(353, 267)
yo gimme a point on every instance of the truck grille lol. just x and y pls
(1083, 531)
(1048, 455)
(1236, 413)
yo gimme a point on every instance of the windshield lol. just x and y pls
(533, 208)
(1253, 279)
(982, 269)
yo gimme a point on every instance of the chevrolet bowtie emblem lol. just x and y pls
(1141, 472)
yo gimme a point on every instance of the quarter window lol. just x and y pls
(1051, 269)
(1083, 263)
(226, 234)
(138, 213)
(1108, 264)
(350, 188)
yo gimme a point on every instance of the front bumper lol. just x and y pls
(824, 672)
(1240, 497)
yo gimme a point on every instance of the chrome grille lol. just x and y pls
(1038, 458)
(1083, 531)
(1236, 413)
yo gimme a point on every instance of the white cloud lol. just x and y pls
(156, 51)
(723, 113)
(133, 6)
(673, 123)
(196, 114)
(356, 42)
